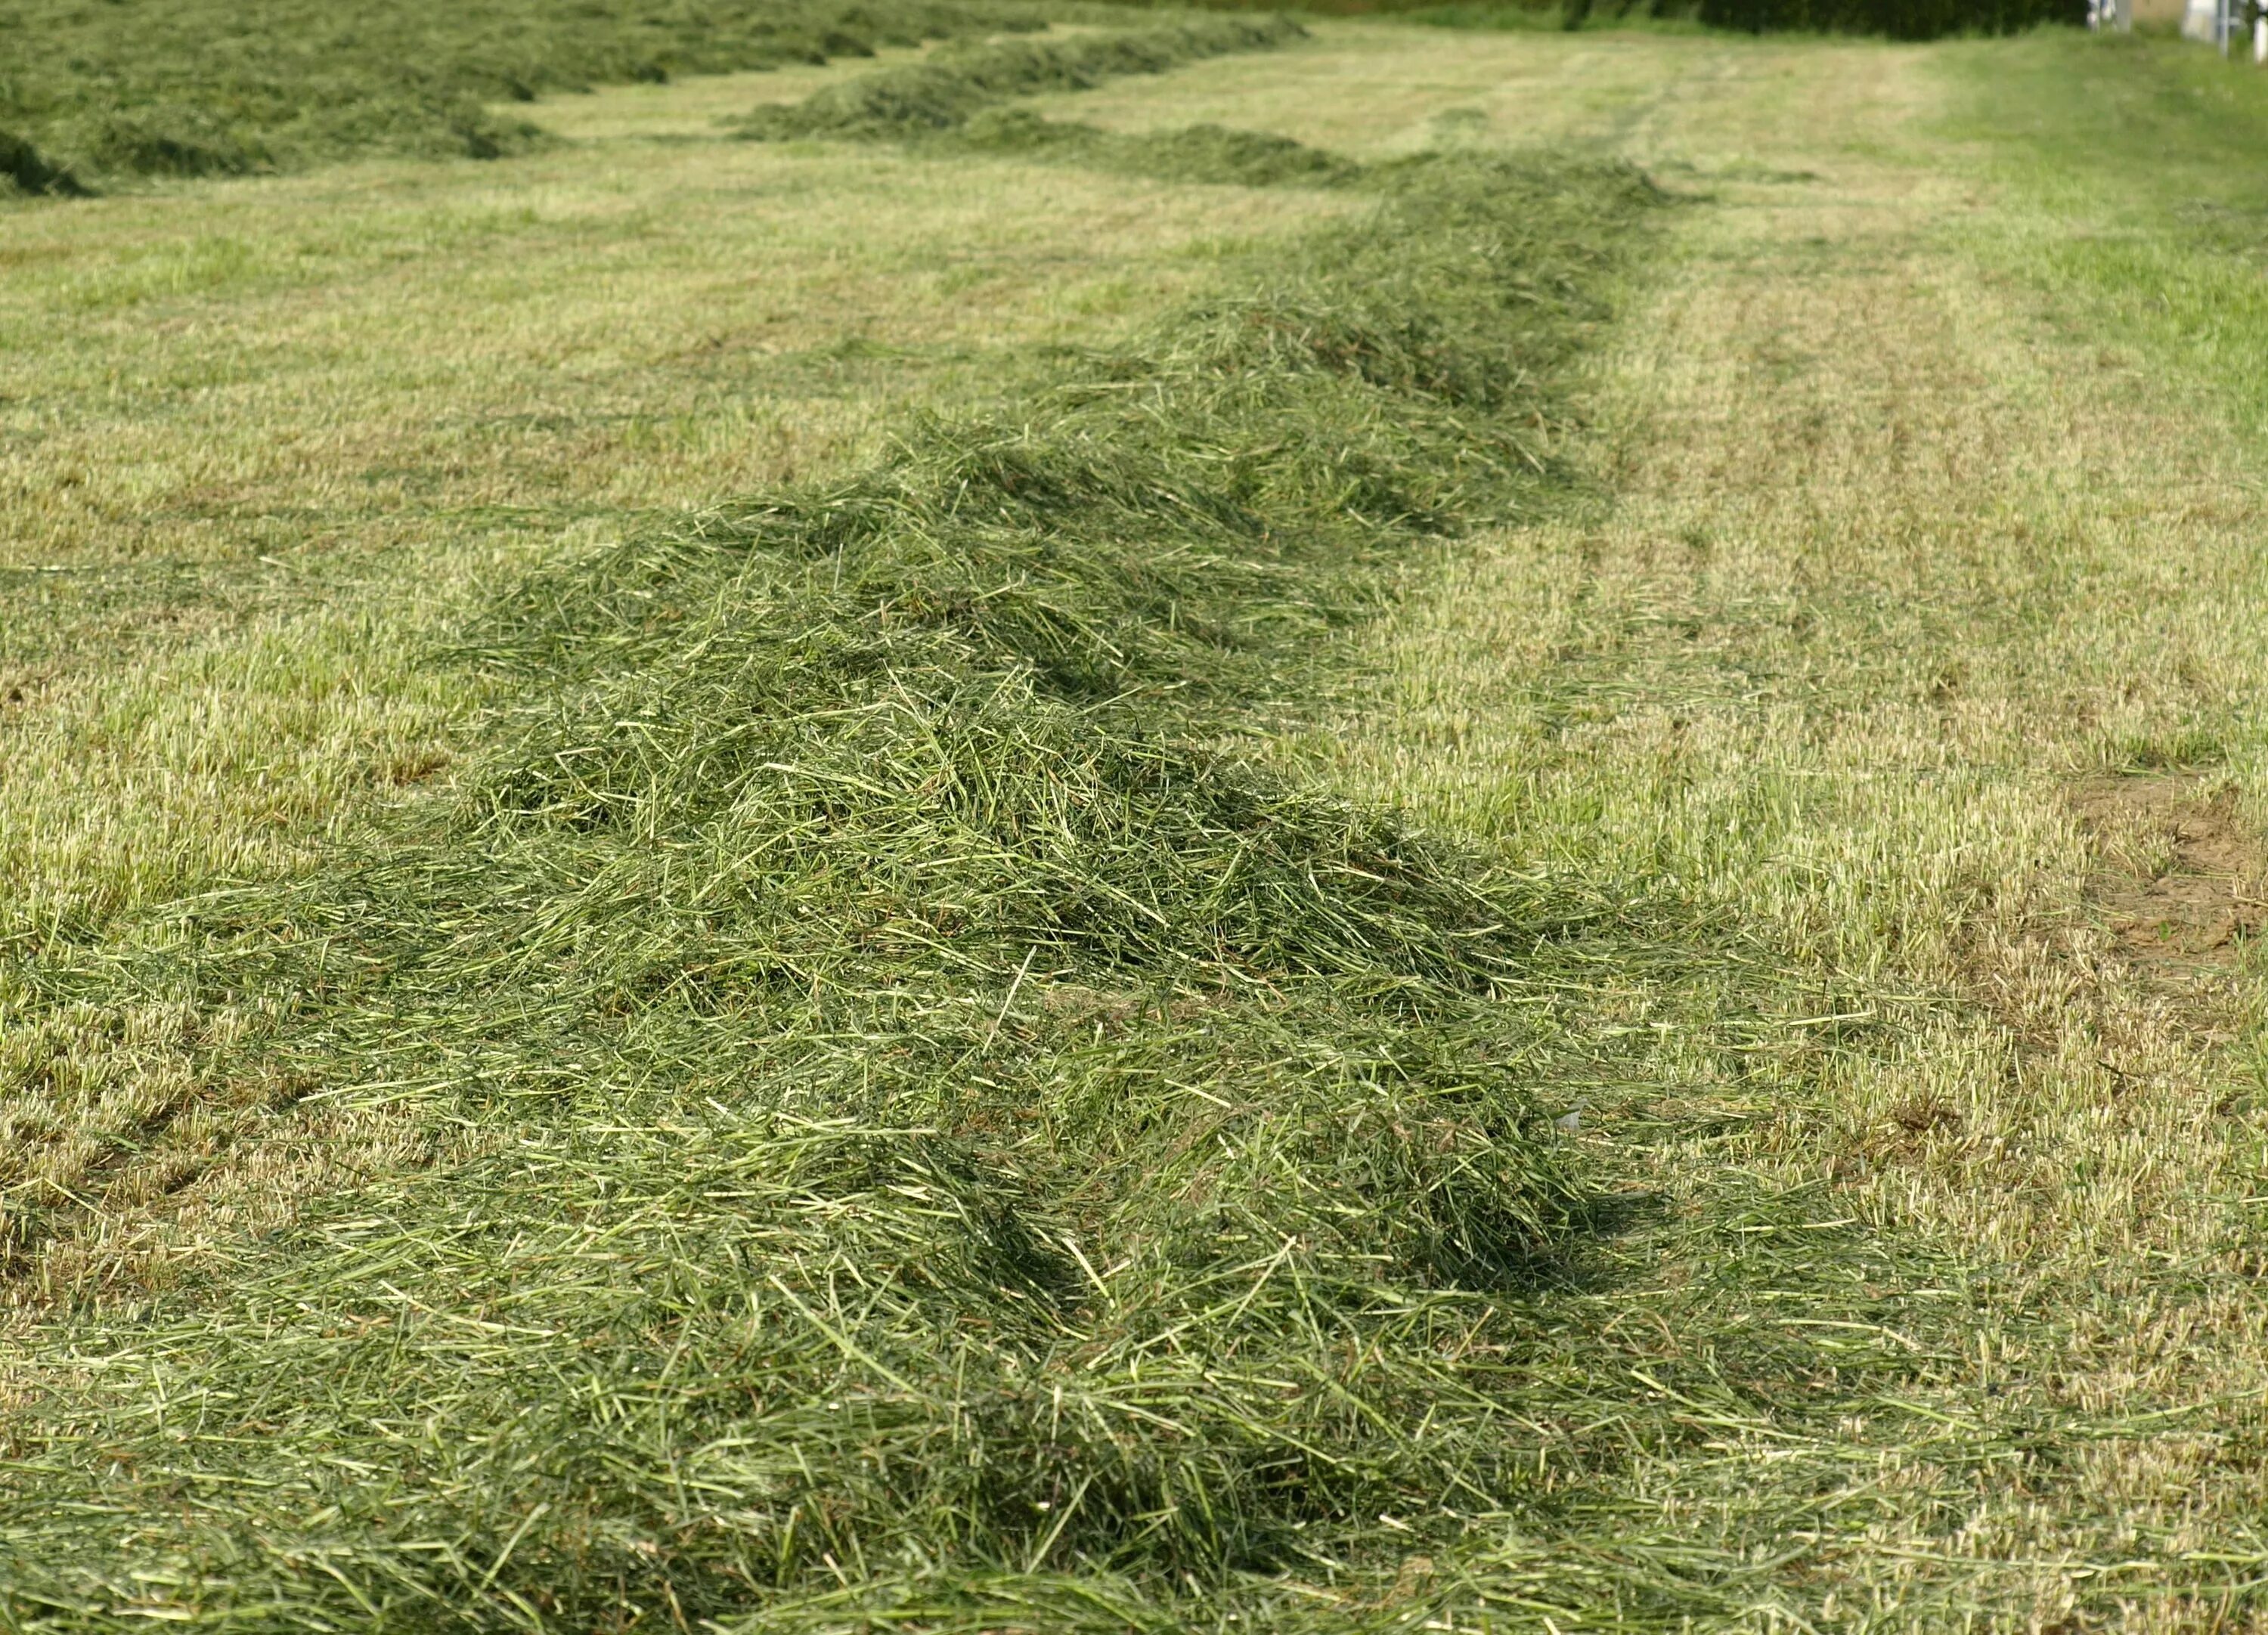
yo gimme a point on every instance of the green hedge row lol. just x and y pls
(1899, 19)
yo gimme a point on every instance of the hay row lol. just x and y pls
(950, 88)
(956, 1146)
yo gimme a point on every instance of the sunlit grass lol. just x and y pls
(1884, 1215)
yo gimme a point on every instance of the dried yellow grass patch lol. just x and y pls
(1899, 570)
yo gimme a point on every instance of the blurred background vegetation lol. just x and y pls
(136, 87)
(127, 88)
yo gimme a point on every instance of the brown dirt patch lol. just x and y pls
(2182, 882)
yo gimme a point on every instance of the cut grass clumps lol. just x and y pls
(950, 1144)
(205, 87)
(948, 89)
(1199, 153)
(23, 168)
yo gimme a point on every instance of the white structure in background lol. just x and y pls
(2221, 23)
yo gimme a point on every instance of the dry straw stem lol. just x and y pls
(954, 1131)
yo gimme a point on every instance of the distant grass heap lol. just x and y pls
(25, 168)
(199, 87)
(955, 1148)
(951, 104)
(945, 91)
(1192, 153)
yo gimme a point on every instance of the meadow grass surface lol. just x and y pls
(1699, 1071)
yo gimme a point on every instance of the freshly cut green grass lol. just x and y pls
(25, 169)
(1792, 1117)
(950, 105)
(944, 92)
(1201, 153)
(947, 1141)
(145, 87)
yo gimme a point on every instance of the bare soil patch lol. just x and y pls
(2183, 879)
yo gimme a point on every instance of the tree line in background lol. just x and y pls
(1899, 19)
(137, 87)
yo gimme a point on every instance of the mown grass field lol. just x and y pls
(1417, 828)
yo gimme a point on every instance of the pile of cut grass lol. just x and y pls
(204, 87)
(950, 105)
(951, 1146)
(945, 91)
(1198, 153)
(25, 169)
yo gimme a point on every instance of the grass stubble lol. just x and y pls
(1918, 645)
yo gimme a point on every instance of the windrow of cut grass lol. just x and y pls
(1198, 153)
(25, 169)
(947, 90)
(944, 1142)
(950, 105)
(137, 88)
